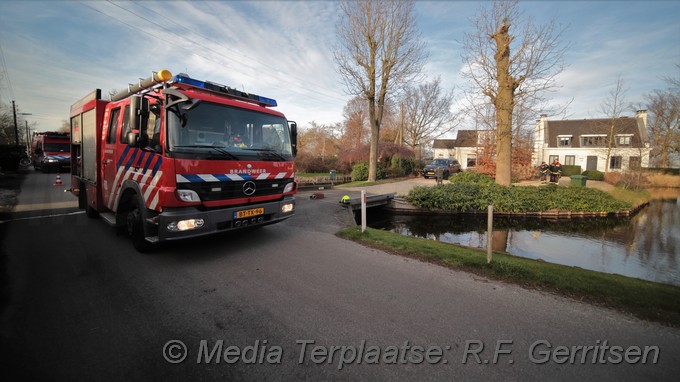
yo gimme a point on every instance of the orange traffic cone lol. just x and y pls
(58, 181)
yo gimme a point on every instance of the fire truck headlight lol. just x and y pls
(288, 207)
(289, 187)
(185, 225)
(188, 196)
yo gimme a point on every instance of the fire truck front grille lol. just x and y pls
(209, 191)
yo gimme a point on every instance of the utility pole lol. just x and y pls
(16, 128)
(28, 138)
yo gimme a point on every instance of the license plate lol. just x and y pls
(248, 213)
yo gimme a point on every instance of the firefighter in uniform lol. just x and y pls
(544, 169)
(555, 171)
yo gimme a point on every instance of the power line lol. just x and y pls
(4, 70)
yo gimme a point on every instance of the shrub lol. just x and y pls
(571, 170)
(461, 196)
(470, 177)
(312, 164)
(593, 175)
(360, 172)
(400, 166)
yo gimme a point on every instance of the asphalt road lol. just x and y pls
(286, 302)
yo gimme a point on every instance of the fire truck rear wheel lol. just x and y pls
(135, 228)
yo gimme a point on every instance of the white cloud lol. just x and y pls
(58, 51)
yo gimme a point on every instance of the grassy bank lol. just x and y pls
(634, 197)
(644, 299)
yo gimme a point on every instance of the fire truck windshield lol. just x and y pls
(57, 146)
(215, 131)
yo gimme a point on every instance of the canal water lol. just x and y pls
(646, 246)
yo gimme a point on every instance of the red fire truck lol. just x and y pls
(50, 151)
(173, 157)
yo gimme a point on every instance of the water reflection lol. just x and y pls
(646, 246)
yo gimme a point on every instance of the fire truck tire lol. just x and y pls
(135, 226)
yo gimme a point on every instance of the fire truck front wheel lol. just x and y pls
(135, 226)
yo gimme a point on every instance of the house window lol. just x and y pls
(623, 140)
(472, 160)
(553, 158)
(593, 140)
(564, 141)
(615, 163)
(634, 163)
(570, 160)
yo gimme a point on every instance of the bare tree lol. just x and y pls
(664, 124)
(380, 51)
(613, 108)
(356, 126)
(511, 68)
(427, 114)
(6, 124)
(674, 81)
(319, 140)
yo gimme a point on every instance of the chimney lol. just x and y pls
(641, 117)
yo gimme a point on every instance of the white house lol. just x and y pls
(584, 142)
(573, 142)
(466, 147)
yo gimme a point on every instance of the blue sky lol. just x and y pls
(55, 52)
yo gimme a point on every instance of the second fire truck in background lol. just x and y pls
(50, 151)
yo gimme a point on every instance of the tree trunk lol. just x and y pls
(504, 103)
(610, 143)
(375, 138)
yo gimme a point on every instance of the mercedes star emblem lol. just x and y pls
(249, 188)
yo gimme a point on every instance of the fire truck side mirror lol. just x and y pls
(293, 136)
(132, 139)
(139, 113)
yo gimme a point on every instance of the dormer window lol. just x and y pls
(564, 141)
(623, 139)
(593, 140)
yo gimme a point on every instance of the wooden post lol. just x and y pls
(363, 210)
(489, 235)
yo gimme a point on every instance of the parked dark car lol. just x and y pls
(448, 166)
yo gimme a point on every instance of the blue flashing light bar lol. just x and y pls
(189, 81)
(267, 101)
(222, 89)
